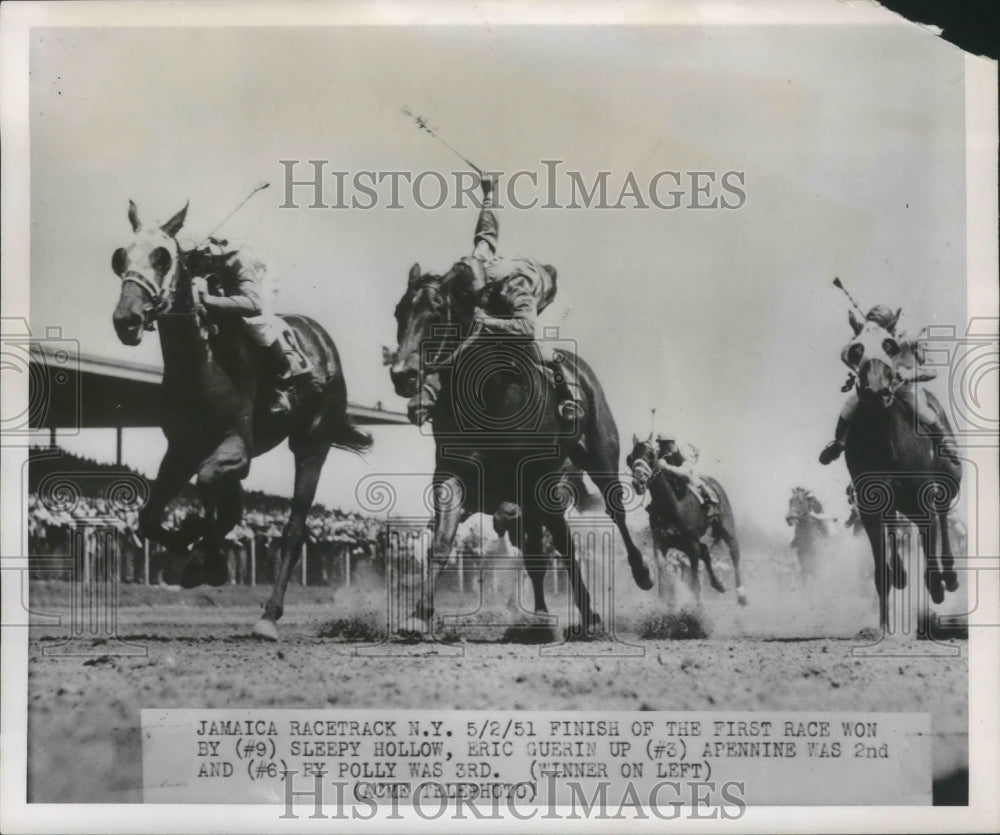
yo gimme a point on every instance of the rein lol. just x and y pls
(159, 296)
(440, 357)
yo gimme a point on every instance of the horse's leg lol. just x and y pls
(448, 515)
(602, 474)
(947, 555)
(692, 548)
(563, 541)
(228, 510)
(725, 531)
(873, 527)
(660, 558)
(897, 571)
(193, 569)
(177, 466)
(534, 561)
(933, 578)
(706, 557)
(309, 461)
(516, 529)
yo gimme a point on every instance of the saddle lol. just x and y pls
(679, 485)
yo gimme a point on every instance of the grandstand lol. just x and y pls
(72, 390)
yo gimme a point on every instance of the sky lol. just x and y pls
(850, 140)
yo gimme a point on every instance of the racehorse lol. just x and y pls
(895, 468)
(678, 519)
(810, 531)
(498, 438)
(215, 414)
(853, 522)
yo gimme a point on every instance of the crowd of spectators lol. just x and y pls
(67, 491)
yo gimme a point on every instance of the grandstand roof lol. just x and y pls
(78, 390)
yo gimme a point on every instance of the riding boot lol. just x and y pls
(831, 452)
(281, 377)
(944, 442)
(571, 399)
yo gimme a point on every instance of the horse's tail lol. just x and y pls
(725, 507)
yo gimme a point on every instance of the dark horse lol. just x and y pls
(497, 436)
(678, 520)
(214, 411)
(804, 510)
(895, 468)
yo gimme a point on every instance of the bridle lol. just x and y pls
(160, 295)
(642, 470)
(854, 377)
(802, 510)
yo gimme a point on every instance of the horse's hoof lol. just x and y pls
(589, 628)
(191, 577)
(950, 580)
(870, 634)
(717, 585)
(595, 627)
(741, 596)
(266, 629)
(899, 578)
(217, 575)
(936, 588)
(532, 633)
(413, 629)
(643, 579)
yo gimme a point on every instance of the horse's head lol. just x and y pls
(148, 267)
(424, 306)
(871, 355)
(641, 461)
(800, 504)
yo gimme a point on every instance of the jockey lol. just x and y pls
(511, 294)
(240, 287)
(815, 508)
(679, 460)
(910, 373)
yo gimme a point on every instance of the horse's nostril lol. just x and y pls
(405, 375)
(128, 320)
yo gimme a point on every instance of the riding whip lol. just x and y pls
(652, 422)
(256, 188)
(837, 283)
(422, 124)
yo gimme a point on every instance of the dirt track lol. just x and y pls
(195, 652)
